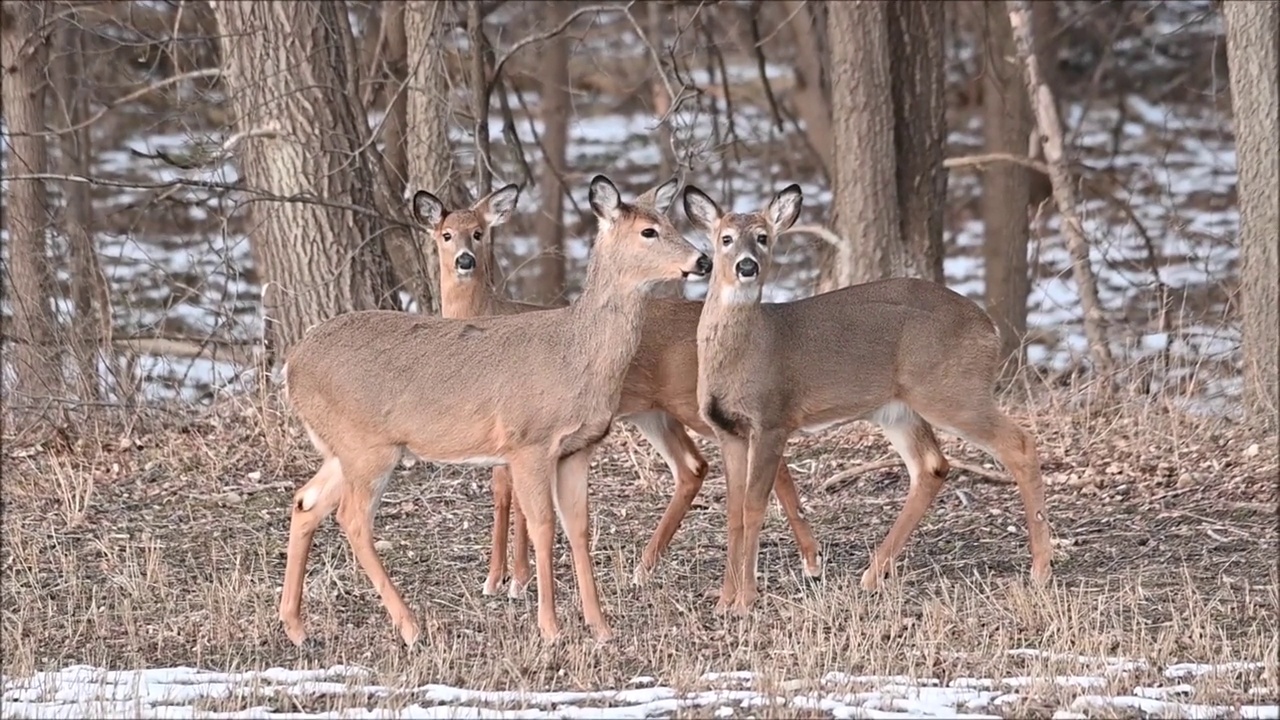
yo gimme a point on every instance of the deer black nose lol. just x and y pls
(703, 266)
(465, 262)
(747, 268)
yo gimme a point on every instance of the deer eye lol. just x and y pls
(727, 240)
(762, 238)
(649, 233)
(447, 236)
(477, 235)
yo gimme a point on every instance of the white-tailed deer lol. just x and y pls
(659, 394)
(536, 392)
(904, 353)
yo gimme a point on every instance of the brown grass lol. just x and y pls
(159, 541)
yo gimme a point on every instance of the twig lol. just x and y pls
(761, 65)
(206, 72)
(843, 477)
(543, 36)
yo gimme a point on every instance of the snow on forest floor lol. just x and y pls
(352, 692)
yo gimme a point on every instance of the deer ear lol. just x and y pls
(499, 204)
(606, 202)
(785, 207)
(702, 210)
(659, 198)
(427, 209)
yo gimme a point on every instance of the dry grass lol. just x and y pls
(165, 546)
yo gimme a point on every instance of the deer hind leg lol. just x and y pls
(521, 572)
(914, 441)
(1014, 447)
(688, 467)
(500, 482)
(532, 478)
(367, 473)
(570, 496)
(784, 487)
(312, 503)
(763, 460)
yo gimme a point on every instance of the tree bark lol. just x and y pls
(1006, 124)
(916, 61)
(548, 265)
(430, 110)
(24, 52)
(1252, 29)
(1050, 126)
(292, 79)
(91, 319)
(864, 184)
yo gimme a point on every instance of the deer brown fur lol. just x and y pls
(906, 354)
(659, 392)
(536, 392)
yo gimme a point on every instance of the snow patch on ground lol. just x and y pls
(344, 691)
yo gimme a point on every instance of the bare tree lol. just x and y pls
(553, 100)
(812, 95)
(24, 52)
(91, 319)
(430, 155)
(1006, 124)
(302, 134)
(864, 181)
(918, 80)
(1252, 29)
(1050, 126)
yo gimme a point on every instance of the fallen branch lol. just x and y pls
(844, 477)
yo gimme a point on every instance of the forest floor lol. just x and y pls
(157, 542)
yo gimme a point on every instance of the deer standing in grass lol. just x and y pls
(536, 392)
(659, 393)
(904, 353)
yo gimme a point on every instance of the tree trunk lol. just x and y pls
(1050, 126)
(1252, 29)
(812, 100)
(916, 61)
(430, 110)
(292, 79)
(407, 257)
(91, 319)
(864, 183)
(548, 266)
(1006, 124)
(37, 369)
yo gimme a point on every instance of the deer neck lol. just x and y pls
(473, 297)
(727, 330)
(607, 320)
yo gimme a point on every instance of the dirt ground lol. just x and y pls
(158, 539)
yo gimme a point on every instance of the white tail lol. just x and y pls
(659, 393)
(536, 392)
(904, 353)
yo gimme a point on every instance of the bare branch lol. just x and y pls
(159, 84)
(543, 36)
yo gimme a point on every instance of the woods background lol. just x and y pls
(177, 172)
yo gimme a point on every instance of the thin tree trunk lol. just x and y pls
(291, 70)
(916, 61)
(1063, 187)
(430, 110)
(91, 320)
(478, 71)
(864, 184)
(36, 359)
(1006, 126)
(1252, 29)
(812, 101)
(406, 255)
(548, 265)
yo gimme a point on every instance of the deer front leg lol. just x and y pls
(784, 487)
(532, 477)
(763, 459)
(500, 481)
(571, 503)
(734, 451)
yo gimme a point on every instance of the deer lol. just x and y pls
(658, 393)
(906, 354)
(535, 392)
